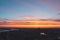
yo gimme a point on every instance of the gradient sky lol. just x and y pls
(22, 9)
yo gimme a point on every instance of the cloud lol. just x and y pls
(3, 19)
(30, 17)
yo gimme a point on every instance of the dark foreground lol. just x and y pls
(29, 34)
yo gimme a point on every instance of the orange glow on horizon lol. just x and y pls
(30, 24)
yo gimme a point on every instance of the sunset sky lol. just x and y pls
(17, 9)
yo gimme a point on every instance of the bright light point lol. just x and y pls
(42, 33)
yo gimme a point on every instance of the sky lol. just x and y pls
(25, 9)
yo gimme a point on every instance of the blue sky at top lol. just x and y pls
(15, 9)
